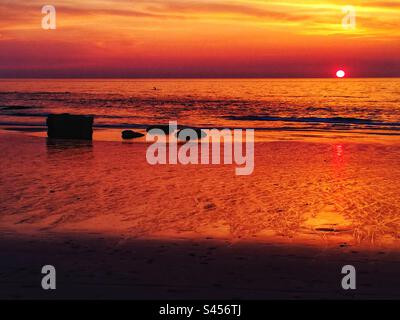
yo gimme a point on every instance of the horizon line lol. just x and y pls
(188, 78)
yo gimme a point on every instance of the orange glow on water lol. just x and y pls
(339, 151)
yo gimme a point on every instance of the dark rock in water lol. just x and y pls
(68, 126)
(195, 134)
(163, 128)
(129, 134)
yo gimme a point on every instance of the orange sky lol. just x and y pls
(199, 38)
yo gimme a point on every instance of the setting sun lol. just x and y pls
(340, 74)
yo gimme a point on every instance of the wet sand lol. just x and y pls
(116, 227)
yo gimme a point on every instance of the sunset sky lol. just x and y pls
(199, 38)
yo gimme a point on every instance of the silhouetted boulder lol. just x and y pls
(196, 134)
(68, 126)
(129, 134)
(163, 128)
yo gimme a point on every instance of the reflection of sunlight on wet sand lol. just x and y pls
(328, 220)
(297, 190)
(338, 157)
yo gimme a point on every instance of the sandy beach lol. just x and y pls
(121, 228)
(98, 266)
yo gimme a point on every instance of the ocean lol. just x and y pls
(364, 106)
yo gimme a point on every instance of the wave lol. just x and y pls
(17, 107)
(34, 92)
(118, 100)
(331, 120)
(45, 114)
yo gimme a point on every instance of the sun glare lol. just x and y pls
(340, 74)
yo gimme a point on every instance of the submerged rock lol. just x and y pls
(186, 134)
(68, 126)
(129, 134)
(163, 128)
(182, 133)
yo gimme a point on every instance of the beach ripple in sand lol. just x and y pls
(297, 189)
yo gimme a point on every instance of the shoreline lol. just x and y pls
(261, 135)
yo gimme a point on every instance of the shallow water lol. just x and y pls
(346, 191)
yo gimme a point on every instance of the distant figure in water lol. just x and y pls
(154, 88)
